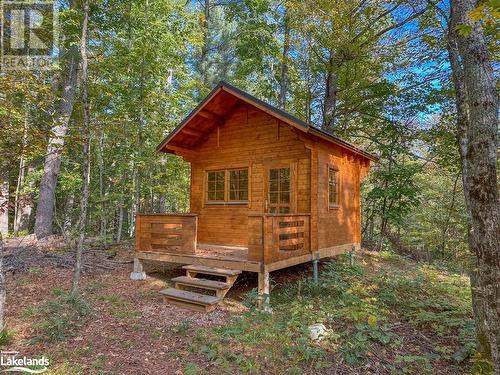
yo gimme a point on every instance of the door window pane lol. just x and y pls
(279, 190)
(284, 210)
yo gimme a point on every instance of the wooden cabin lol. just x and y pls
(268, 191)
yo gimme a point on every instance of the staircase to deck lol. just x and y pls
(213, 291)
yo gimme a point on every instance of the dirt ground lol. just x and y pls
(131, 330)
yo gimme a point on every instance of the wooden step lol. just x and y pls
(220, 288)
(211, 271)
(190, 300)
(201, 283)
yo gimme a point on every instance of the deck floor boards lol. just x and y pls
(223, 252)
(231, 257)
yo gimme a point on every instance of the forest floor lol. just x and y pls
(385, 315)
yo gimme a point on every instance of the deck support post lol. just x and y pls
(263, 299)
(315, 271)
(315, 261)
(138, 273)
(352, 256)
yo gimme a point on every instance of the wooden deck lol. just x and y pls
(274, 242)
(232, 257)
(235, 253)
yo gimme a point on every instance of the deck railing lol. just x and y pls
(276, 237)
(166, 233)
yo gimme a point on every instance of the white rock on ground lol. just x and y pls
(317, 332)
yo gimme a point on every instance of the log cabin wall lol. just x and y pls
(249, 138)
(341, 224)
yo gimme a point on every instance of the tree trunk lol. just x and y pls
(86, 150)
(101, 183)
(479, 311)
(4, 200)
(24, 202)
(119, 228)
(330, 101)
(18, 199)
(284, 62)
(135, 202)
(477, 131)
(3, 292)
(162, 207)
(203, 67)
(446, 226)
(20, 178)
(46, 201)
(68, 214)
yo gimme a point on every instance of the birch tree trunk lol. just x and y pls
(135, 202)
(161, 203)
(477, 133)
(4, 199)
(20, 179)
(101, 182)
(25, 207)
(18, 199)
(46, 201)
(119, 227)
(284, 62)
(86, 151)
(68, 214)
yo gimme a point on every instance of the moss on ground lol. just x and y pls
(385, 314)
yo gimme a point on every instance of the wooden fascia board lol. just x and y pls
(193, 113)
(340, 143)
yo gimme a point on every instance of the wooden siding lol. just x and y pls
(338, 225)
(253, 139)
(166, 233)
(274, 238)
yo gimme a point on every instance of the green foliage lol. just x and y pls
(182, 328)
(363, 308)
(191, 369)
(5, 337)
(119, 307)
(269, 342)
(95, 286)
(252, 298)
(60, 317)
(412, 363)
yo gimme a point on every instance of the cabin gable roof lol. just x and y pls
(220, 104)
